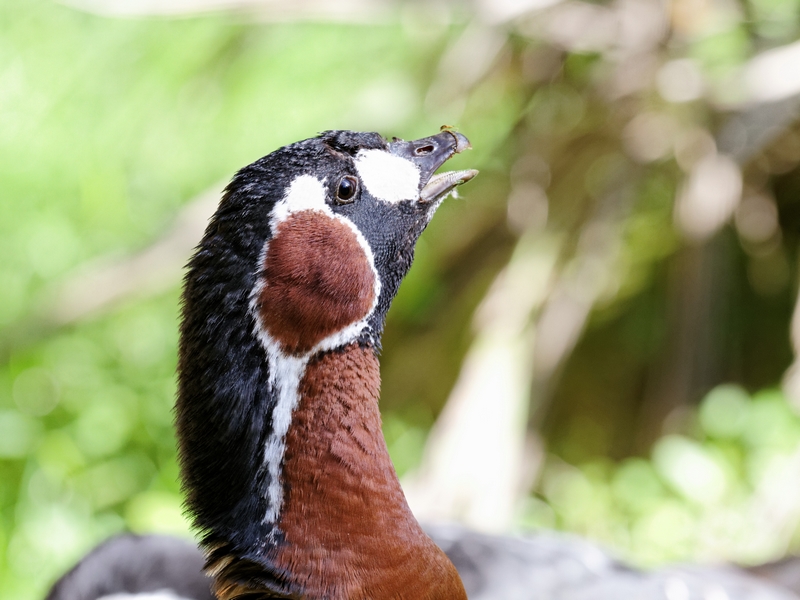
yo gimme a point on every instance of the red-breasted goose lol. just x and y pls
(284, 464)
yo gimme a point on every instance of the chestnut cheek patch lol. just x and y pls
(317, 280)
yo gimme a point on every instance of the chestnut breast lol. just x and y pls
(317, 279)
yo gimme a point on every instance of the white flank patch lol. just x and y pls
(388, 177)
(286, 371)
(159, 595)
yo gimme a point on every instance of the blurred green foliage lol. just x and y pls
(110, 126)
(693, 495)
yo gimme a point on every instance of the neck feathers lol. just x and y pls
(283, 460)
(340, 528)
(346, 531)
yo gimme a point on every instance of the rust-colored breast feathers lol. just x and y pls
(317, 280)
(350, 534)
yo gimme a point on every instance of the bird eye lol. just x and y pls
(346, 190)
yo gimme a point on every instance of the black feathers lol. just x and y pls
(350, 142)
(225, 397)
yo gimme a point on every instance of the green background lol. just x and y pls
(109, 126)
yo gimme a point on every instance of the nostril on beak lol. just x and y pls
(423, 150)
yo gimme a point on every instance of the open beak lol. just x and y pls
(429, 154)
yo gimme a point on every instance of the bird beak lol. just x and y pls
(429, 154)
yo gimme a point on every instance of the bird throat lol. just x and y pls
(346, 529)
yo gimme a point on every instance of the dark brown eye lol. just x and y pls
(346, 191)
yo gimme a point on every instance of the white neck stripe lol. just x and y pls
(165, 594)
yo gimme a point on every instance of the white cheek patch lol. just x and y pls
(388, 177)
(305, 193)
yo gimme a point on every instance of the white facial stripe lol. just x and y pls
(388, 177)
(285, 370)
